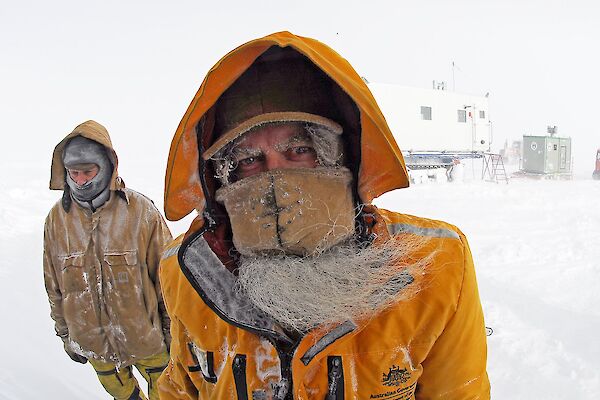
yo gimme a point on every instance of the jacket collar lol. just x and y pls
(215, 285)
(67, 200)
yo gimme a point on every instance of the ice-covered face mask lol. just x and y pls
(92, 188)
(80, 151)
(299, 211)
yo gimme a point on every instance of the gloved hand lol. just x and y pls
(74, 356)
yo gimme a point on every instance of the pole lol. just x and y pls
(453, 82)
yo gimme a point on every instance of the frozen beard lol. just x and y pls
(81, 151)
(346, 282)
(300, 211)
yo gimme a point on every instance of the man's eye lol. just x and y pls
(302, 149)
(247, 161)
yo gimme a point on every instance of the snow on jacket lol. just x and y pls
(430, 346)
(101, 268)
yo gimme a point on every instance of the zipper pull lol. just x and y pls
(335, 373)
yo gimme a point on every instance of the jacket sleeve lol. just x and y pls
(455, 367)
(52, 286)
(160, 237)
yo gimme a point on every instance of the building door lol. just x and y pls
(563, 157)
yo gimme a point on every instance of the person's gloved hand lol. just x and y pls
(74, 356)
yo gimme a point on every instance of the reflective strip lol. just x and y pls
(170, 252)
(327, 339)
(395, 229)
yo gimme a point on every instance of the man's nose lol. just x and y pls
(274, 160)
(81, 180)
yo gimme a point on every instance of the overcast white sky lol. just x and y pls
(134, 66)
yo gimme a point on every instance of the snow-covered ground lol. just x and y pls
(536, 246)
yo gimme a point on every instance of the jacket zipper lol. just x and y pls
(283, 389)
(239, 376)
(335, 372)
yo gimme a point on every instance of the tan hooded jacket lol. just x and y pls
(432, 346)
(100, 269)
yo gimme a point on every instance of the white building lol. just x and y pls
(427, 122)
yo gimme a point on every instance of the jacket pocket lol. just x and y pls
(128, 257)
(123, 267)
(74, 275)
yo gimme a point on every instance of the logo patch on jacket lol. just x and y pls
(395, 379)
(395, 376)
(122, 277)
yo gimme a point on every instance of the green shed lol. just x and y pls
(546, 154)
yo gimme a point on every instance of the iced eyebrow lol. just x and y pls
(298, 139)
(240, 152)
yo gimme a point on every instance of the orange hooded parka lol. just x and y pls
(432, 345)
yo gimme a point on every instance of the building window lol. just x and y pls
(426, 113)
(482, 114)
(462, 115)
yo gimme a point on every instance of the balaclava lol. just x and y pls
(95, 192)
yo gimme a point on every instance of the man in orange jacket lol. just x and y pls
(290, 284)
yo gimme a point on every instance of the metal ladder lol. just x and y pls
(493, 168)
